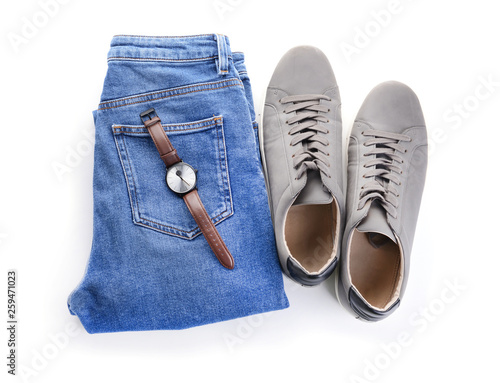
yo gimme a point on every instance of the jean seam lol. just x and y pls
(238, 83)
(118, 147)
(168, 37)
(117, 129)
(134, 199)
(175, 229)
(224, 166)
(172, 95)
(120, 99)
(133, 180)
(127, 58)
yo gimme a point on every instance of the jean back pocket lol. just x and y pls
(200, 144)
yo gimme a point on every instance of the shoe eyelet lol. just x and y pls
(406, 150)
(329, 109)
(400, 184)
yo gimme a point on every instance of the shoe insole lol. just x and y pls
(309, 232)
(375, 268)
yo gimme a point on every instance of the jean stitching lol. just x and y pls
(167, 37)
(175, 229)
(199, 122)
(132, 178)
(162, 91)
(118, 146)
(169, 232)
(151, 94)
(129, 178)
(127, 58)
(227, 190)
(168, 96)
(222, 157)
(220, 165)
(119, 129)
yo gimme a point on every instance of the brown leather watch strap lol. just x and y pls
(167, 152)
(208, 229)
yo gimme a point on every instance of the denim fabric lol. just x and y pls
(150, 267)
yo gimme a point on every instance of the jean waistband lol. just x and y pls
(172, 48)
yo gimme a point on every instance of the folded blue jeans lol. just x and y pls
(150, 268)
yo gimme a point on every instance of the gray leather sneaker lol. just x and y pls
(301, 147)
(387, 162)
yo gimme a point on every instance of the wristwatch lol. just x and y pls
(181, 178)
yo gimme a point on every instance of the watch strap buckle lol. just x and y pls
(148, 115)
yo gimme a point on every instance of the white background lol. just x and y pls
(50, 83)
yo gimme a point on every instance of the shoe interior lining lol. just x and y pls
(309, 234)
(376, 272)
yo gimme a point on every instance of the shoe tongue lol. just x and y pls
(375, 223)
(314, 193)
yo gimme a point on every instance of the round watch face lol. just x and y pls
(181, 178)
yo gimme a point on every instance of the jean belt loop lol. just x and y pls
(222, 55)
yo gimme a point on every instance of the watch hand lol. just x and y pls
(178, 174)
(187, 183)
